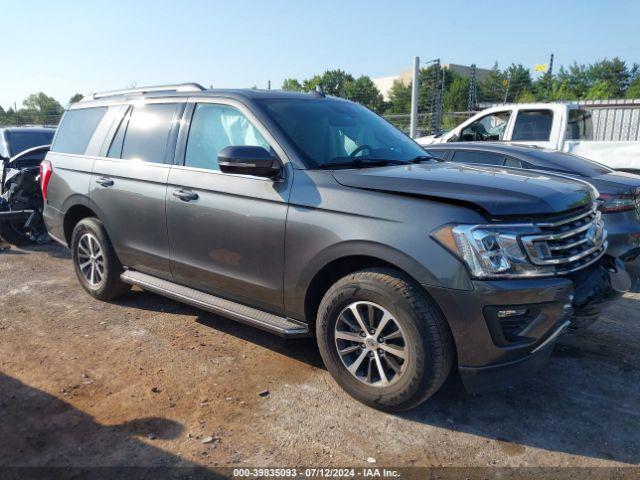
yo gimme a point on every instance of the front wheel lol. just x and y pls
(383, 339)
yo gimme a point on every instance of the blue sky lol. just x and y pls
(64, 47)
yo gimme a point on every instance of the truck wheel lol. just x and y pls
(383, 339)
(95, 261)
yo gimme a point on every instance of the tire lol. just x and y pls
(12, 235)
(89, 236)
(427, 344)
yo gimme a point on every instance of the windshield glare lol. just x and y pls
(327, 131)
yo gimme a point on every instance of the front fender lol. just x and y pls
(298, 281)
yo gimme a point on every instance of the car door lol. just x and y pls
(129, 184)
(226, 231)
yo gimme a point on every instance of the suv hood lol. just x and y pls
(496, 190)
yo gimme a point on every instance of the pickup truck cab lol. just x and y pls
(564, 127)
(303, 214)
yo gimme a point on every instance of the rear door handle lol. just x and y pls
(105, 182)
(185, 195)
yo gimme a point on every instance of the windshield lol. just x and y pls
(21, 141)
(327, 131)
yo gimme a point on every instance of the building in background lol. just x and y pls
(384, 84)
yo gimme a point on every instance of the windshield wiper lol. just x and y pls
(360, 163)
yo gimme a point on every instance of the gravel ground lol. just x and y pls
(148, 381)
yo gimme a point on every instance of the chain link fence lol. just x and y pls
(425, 121)
(22, 119)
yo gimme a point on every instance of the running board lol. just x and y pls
(282, 326)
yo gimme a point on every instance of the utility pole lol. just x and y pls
(473, 93)
(549, 75)
(436, 111)
(413, 129)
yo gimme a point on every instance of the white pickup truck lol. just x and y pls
(568, 128)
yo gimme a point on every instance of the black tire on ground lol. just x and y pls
(110, 286)
(428, 339)
(14, 236)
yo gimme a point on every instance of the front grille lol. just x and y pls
(569, 244)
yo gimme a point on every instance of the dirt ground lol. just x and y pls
(148, 381)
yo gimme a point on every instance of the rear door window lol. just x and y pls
(533, 125)
(143, 134)
(484, 158)
(76, 129)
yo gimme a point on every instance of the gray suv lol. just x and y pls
(309, 215)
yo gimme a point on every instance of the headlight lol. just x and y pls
(490, 251)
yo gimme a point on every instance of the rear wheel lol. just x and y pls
(383, 340)
(96, 264)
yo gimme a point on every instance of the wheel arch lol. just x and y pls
(76, 209)
(343, 259)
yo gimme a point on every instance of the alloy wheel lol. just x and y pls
(371, 344)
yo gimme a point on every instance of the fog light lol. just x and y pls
(512, 312)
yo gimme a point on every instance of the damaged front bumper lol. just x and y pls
(505, 330)
(595, 287)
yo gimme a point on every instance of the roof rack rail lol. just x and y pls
(179, 87)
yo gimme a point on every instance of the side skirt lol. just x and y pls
(282, 326)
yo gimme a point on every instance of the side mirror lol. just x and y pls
(452, 138)
(248, 160)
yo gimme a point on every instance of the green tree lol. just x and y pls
(602, 90)
(518, 80)
(634, 89)
(456, 95)
(526, 96)
(399, 98)
(311, 83)
(492, 87)
(40, 108)
(334, 81)
(76, 98)
(365, 92)
(291, 85)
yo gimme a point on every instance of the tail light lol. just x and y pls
(45, 175)
(623, 202)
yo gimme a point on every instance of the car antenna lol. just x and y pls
(319, 92)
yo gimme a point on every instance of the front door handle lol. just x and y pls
(104, 181)
(185, 195)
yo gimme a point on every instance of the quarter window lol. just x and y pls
(533, 125)
(76, 129)
(214, 127)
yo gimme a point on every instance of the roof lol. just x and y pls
(190, 90)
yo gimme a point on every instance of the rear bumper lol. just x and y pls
(491, 351)
(54, 221)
